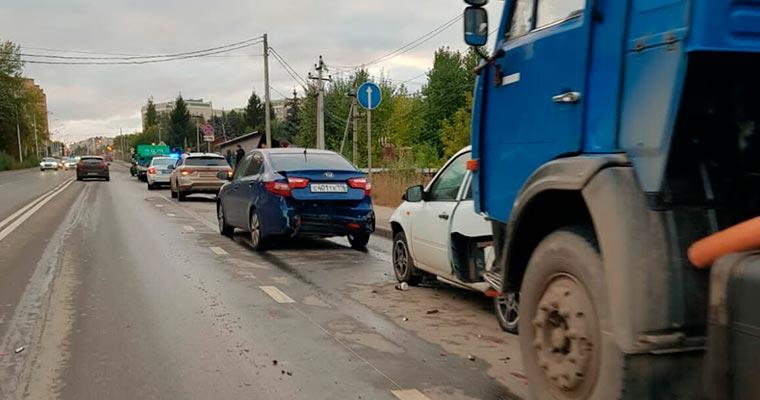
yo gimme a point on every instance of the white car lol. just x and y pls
(70, 163)
(160, 171)
(48, 163)
(436, 231)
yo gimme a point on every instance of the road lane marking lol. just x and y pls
(188, 228)
(21, 219)
(277, 294)
(219, 251)
(171, 215)
(193, 214)
(410, 394)
(35, 201)
(159, 205)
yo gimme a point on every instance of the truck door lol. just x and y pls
(534, 95)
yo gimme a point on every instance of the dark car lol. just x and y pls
(296, 192)
(92, 167)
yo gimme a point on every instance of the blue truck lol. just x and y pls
(608, 136)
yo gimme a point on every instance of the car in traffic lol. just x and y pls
(93, 167)
(48, 163)
(289, 192)
(197, 173)
(159, 171)
(437, 232)
(69, 163)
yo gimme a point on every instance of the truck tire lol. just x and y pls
(403, 264)
(564, 307)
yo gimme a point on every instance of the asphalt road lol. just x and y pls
(117, 292)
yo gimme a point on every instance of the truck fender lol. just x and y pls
(633, 239)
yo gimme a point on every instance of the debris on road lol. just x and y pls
(20, 349)
(435, 311)
(405, 319)
(274, 362)
(403, 286)
(471, 358)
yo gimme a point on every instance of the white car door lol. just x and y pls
(431, 221)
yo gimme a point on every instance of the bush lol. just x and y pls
(8, 162)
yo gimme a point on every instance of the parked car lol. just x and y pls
(290, 192)
(93, 167)
(159, 171)
(197, 173)
(69, 163)
(436, 231)
(48, 163)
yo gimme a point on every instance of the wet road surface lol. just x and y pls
(117, 292)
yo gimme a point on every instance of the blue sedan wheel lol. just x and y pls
(258, 241)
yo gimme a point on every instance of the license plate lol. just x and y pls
(92, 173)
(328, 188)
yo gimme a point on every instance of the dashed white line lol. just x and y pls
(29, 212)
(171, 215)
(277, 294)
(188, 228)
(409, 394)
(159, 206)
(219, 251)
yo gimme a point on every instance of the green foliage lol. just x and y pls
(292, 119)
(254, 113)
(180, 126)
(455, 131)
(151, 117)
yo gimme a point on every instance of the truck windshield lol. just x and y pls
(309, 162)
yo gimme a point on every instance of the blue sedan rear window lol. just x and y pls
(308, 162)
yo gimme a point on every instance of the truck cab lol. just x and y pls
(627, 129)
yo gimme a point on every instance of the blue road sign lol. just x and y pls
(369, 95)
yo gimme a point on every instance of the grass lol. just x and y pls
(387, 187)
(8, 162)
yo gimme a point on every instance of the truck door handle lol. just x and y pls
(443, 216)
(567, 98)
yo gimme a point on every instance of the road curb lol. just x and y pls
(384, 231)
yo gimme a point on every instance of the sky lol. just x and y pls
(86, 101)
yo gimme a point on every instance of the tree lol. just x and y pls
(455, 131)
(236, 124)
(151, 117)
(254, 113)
(449, 81)
(180, 127)
(292, 118)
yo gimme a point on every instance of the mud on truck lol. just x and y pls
(608, 136)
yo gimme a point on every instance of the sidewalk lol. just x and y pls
(382, 225)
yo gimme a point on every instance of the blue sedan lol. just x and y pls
(280, 193)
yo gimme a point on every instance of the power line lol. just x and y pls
(300, 80)
(278, 92)
(142, 61)
(136, 57)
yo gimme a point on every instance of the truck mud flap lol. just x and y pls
(733, 344)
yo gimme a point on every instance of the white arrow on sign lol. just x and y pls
(369, 97)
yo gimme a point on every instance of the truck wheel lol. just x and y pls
(565, 308)
(403, 264)
(506, 307)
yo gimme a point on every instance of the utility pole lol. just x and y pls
(18, 136)
(159, 134)
(355, 145)
(348, 125)
(36, 145)
(321, 68)
(267, 99)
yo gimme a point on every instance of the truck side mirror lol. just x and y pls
(414, 194)
(475, 26)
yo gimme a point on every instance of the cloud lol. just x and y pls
(98, 100)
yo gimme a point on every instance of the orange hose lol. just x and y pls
(738, 238)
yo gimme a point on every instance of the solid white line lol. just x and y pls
(30, 205)
(188, 228)
(219, 251)
(7, 231)
(410, 394)
(277, 294)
